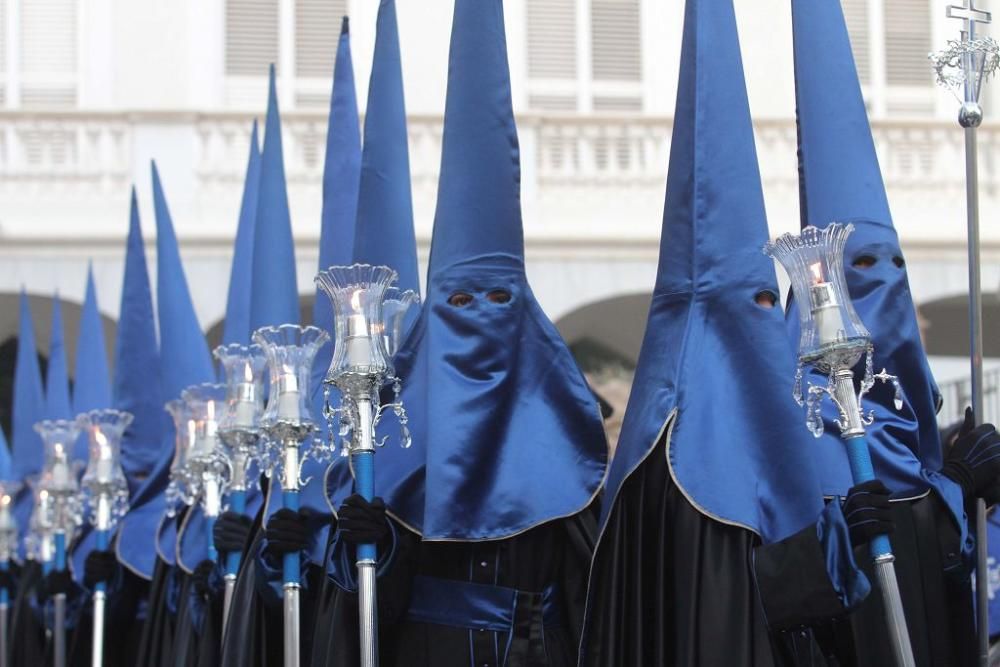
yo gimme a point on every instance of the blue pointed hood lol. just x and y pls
(92, 379)
(237, 325)
(136, 383)
(137, 362)
(28, 408)
(192, 534)
(840, 180)
(385, 207)
(341, 178)
(506, 433)
(713, 360)
(57, 401)
(273, 281)
(184, 360)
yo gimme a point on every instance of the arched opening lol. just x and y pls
(41, 315)
(605, 337)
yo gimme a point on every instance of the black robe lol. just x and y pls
(157, 638)
(671, 586)
(125, 615)
(552, 557)
(27, 631)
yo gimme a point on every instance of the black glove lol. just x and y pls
(287, 531)
(99, 566)
(867, 512)
(201, 578)
(231, 532)
(362, 522)
(973, 462)
(55, 582)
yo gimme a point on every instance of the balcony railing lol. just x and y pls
(567, 158)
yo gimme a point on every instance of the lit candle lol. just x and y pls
(825, 309)
(358, 339)
(288, 396)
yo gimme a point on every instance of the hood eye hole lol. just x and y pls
(899, 262)
(460, 299)
(864, 262)
(498, 296)
(766, 299)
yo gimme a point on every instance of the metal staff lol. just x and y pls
(369, 323)
(833, 340)
(239, 429)
(106, 493)
(288, 422)
(965, 65)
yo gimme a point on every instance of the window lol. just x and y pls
(48, 54)
(890, 40)
(298, 36)
(584, 54)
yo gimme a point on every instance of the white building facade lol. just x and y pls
(91, 91)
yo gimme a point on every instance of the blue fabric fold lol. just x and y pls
(465, 604)
(849, 582)
(57, 400)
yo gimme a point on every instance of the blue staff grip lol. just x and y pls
(364, 482)
(862, 471)
(102, 538)
(238, 504)
(213, 553)
(290, 562)
(59, 540)
(4, 593)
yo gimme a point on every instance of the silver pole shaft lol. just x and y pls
(227, 601)
(97, 647)
(367, 594)
(976, 375)
(59, 631)
(366, 607)
(291, 623)
(4, 643)
(885, 571)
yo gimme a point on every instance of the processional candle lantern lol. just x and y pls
(184, 434)
(240, 430)
(206, 463)
(105, 492)
(369, 327)
(833, 340)
(288, 422)
(58, 481)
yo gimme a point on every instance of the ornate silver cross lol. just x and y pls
(968, 13)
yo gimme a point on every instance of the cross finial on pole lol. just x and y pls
(971, 15)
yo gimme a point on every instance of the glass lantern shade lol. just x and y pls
(205, 403)
(40, 526)
(290, 350)
(57, 476)
(8, 524)
(395, 306)
(243, 366)
(832, 336)
(104, 476)
(359, 350)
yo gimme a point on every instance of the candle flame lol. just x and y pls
(356, 300)
(816, 269)
(247, 372)
(100, 438)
